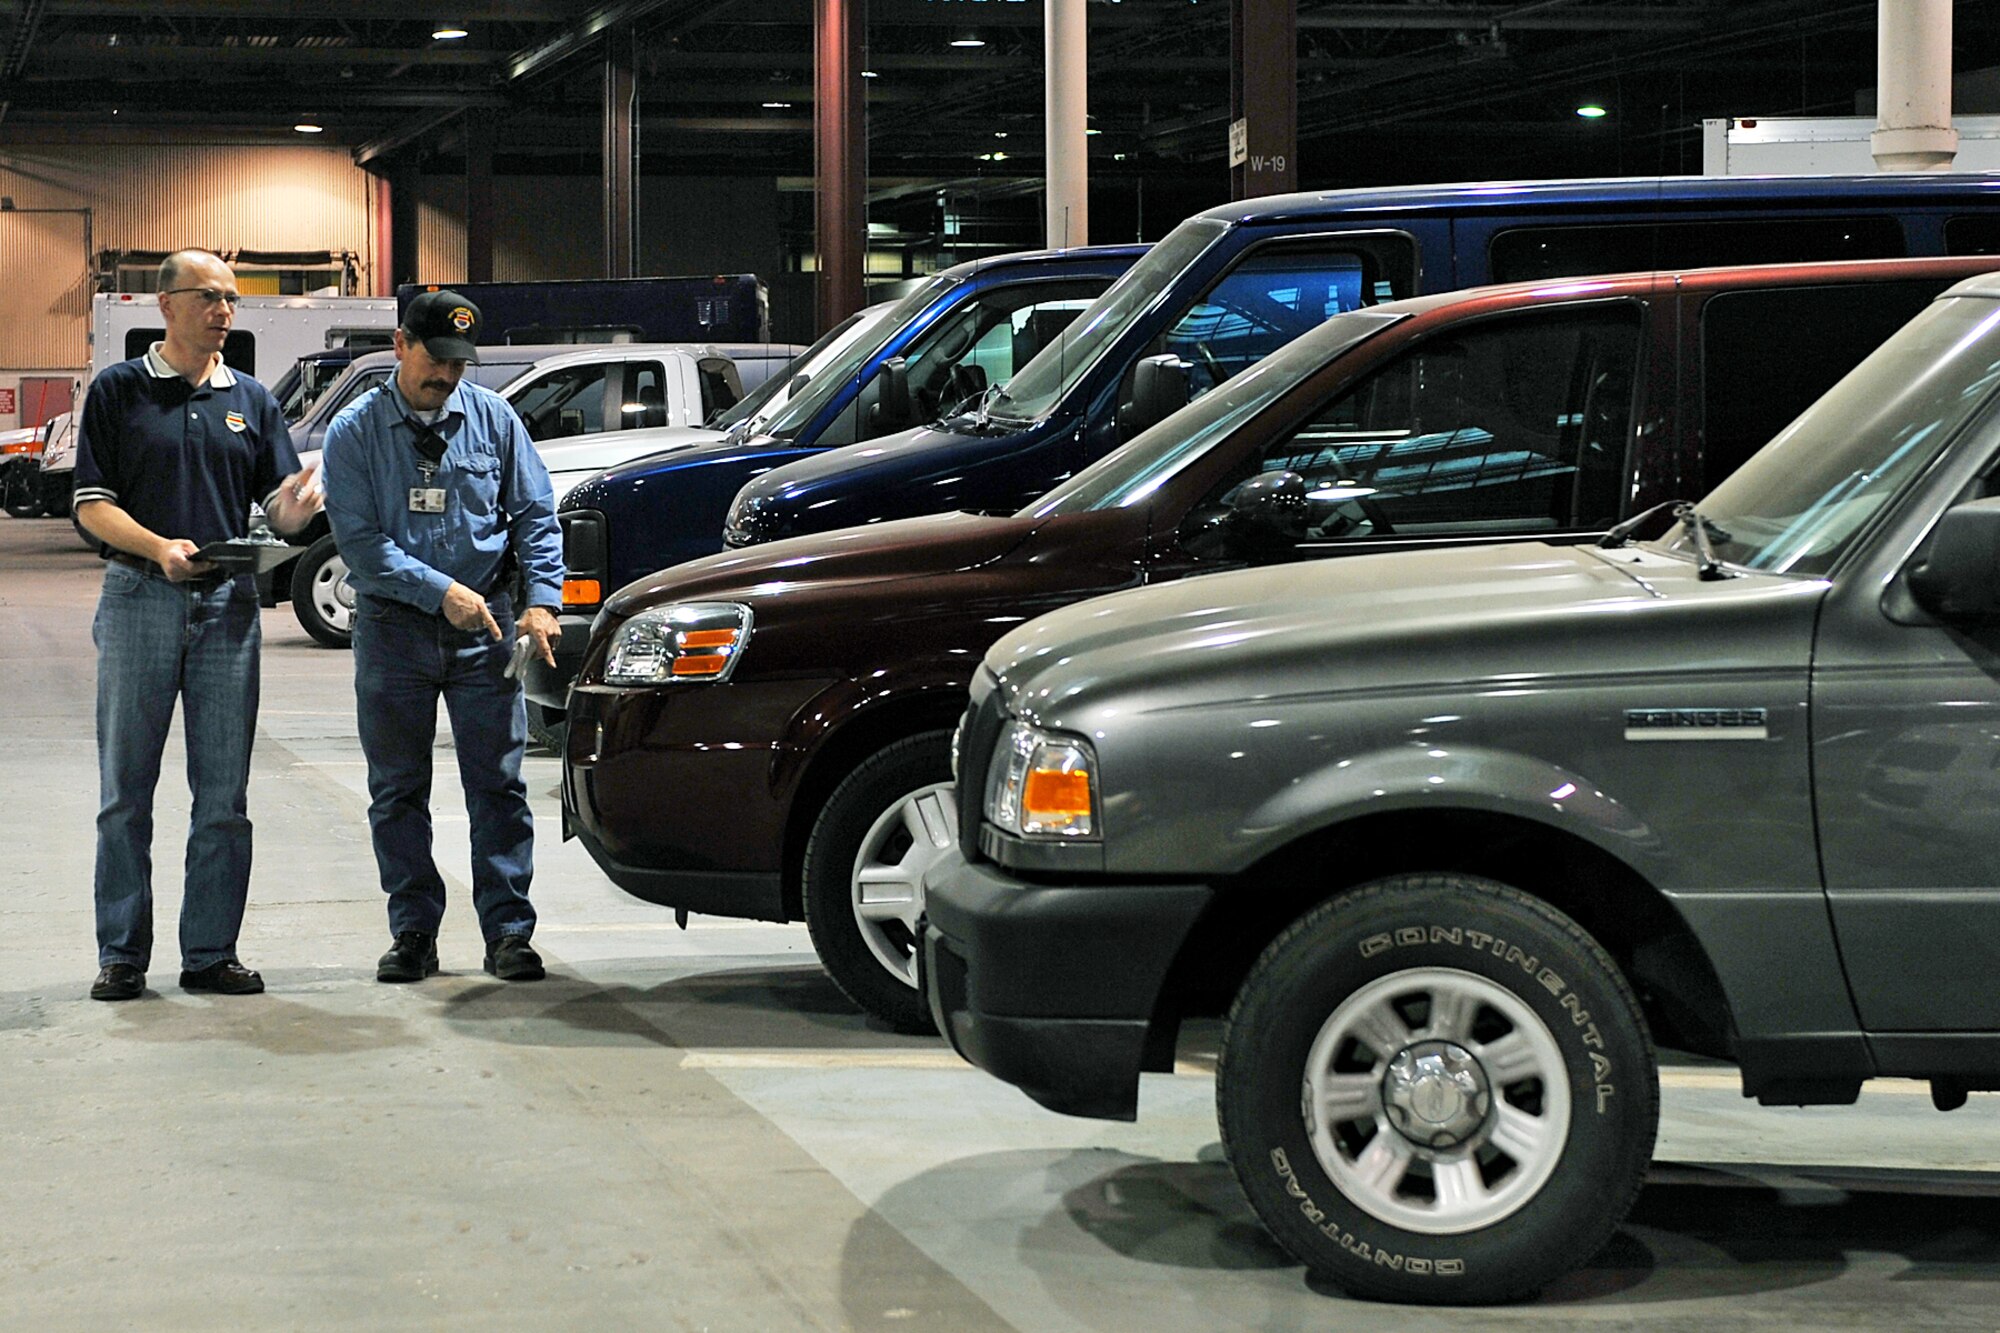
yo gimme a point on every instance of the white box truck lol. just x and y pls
(1824, 145)
(271, 332)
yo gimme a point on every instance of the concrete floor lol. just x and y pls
(693, 1130)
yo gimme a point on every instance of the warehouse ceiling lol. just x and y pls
(1399, 90)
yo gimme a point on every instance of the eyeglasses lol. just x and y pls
(208, 295)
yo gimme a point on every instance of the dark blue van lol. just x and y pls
(1229, 286)
(941, 349)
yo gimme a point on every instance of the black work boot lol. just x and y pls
(412, 957)
(511, 958)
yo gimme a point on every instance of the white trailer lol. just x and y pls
(1824, 145)
(271, 332)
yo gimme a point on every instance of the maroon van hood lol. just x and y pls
(913, 547)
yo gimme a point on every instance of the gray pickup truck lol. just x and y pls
(1455, 837)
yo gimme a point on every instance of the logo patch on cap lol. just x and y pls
(461, 318)
(234, 421)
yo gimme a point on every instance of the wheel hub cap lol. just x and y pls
(1436, 1095)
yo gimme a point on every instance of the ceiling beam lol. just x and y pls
(119, 60)
(463, 11)
(1509, 18)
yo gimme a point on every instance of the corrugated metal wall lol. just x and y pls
(158, 197)
(45, 281)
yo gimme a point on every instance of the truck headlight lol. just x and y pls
(692, 641)
(1042, 785)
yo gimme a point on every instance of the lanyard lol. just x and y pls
(430, 447)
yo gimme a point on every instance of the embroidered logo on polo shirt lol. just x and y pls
(461, 318)
(235, 421)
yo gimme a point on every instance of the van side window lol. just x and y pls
(1767, 356)
(1972, 236)
(1277, 293)
(1511, 426)
(1530, 253)
(239, 349)
(564, 402)
(952, 364)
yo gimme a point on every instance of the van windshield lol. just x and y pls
(1801, 499)
(1133, 471)
(841, 369)
(1036, 389)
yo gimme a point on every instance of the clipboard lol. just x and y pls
(241, 557)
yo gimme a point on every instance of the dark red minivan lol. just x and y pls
(766, 733)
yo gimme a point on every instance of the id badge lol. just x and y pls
(426, 499)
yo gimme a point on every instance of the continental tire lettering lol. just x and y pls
(1547, 978)
(1348, 1241)
(1411, 935)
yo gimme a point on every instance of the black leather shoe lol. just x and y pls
(118, 981)
(511, 958)
(412, 957)
(227, 977)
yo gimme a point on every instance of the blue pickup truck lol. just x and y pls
(1230, 286)
(942, 347)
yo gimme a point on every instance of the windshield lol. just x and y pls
(1800, 500)
(806, 363)
(840, 370)
(1035, 390)
(1130, 473)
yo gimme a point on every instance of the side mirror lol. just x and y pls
(891, 408)
(1960, 576)
(1263, 520)
(1159, 389)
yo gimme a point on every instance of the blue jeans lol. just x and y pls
(157, 641)
(404, 659)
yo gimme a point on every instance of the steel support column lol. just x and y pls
(840, 158)
(1264, 97)
(621, 199)
(478, 196)
(403, 246)
(1066, 106)
(1913, 87)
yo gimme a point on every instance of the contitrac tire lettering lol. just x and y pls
(1480, 941)
(1353, 1244)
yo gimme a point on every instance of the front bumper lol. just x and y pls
(549, 685)
(1054, 989)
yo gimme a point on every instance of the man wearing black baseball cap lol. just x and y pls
(437, 497)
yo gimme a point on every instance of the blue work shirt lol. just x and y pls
(185, 460)
(496, 489)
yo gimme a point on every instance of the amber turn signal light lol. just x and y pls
(582, 592)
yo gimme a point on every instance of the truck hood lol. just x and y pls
(1513, 615)
(909, 548)
(594, 453)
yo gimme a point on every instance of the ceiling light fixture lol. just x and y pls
(1592, 111)
(309, 127)
(870, 74)
(968, 42)
(448, 32)
(778, 106)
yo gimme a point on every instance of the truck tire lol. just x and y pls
(1437, 1089)
(887, 822)
(548, 727)
(321, 597)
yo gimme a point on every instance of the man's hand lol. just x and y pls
(296, 500)
(176, 561)
(466, 610)
(539, 623)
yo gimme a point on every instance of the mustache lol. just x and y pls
(437, 384)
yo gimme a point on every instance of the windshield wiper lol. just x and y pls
(1706, 564)
(1621, 533)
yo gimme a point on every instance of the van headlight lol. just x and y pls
(1042, 785)
(688, 642)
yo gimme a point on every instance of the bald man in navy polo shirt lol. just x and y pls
(174, 447)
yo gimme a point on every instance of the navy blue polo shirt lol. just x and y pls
(184, 460)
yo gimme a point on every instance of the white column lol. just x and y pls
(1066, 110)
(1913, 87)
